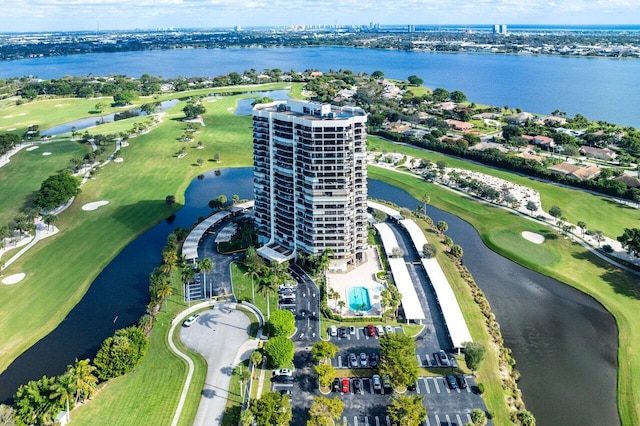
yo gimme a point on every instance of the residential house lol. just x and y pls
(586, 173)
(462, 126)
(630, 181)
(599, 153)
(520, 118)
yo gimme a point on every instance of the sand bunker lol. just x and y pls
(94, 206)
(31, 148)
(11, 129)
(46, 153)
(118, 160)
(533, 237)
(14, 279)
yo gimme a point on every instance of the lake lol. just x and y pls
(564, 341)
(598, 88)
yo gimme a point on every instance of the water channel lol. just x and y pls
(564, 341)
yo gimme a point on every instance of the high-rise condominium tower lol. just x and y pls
(310, 180)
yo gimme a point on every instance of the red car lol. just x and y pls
(345, 386)
(371, 330)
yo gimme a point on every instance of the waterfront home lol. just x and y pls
(462, 126)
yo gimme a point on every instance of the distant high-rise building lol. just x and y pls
(411, 28)
(500, 29)
(310, 180)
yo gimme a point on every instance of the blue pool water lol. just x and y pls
(358, 299)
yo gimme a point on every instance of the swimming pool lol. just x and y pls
(358, 298)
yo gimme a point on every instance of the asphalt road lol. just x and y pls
(221, 324)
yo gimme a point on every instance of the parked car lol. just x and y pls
(335, 386)
(282, 379)
(388, 329)
(377, 383)
(364, 360)
(283, 372)
(373, 360)
(380, 330)
(287, 301)
(343, 332)
(357, 385)
(346, 386)
(353, 360)
(371, 330)
(462, 381)
(352, 330)
(386, 385)
(286, 392)
(191, 320)
(333, 331)
(411, 387)
(451, 381)
(444, 359)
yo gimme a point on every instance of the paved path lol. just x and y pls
(220, 335)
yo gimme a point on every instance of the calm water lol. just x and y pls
(598, 88)
(564, 342)
(119, 295)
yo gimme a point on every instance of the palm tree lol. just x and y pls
(163, 291)
(62, 390)
(266, 284)
(582, 225)
(48, 219)
(187, 273)
(425, 200)
(442, 226)
(85, 380)
(169, 261)
(206, 265)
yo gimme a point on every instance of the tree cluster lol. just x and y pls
(630, 241)
(8, 141)
(39, 401)
(119, 354)
(56, 190)
(398, 359)
(272, 409)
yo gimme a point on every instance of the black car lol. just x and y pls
(286, 392)
(411, 387)
(357, 386)
(335, 386)
(451, 381)
(462, 382)
(343, 332)
(282, 379)
(373, 360)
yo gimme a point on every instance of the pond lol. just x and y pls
(88, 122)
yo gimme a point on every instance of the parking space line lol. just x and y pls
(438, 420)
(355, 420)
(344, 420)
(418, 387)
(427, 421)
(448, 420)
(468, 418)
(446, 385)
(427, 360)
(435, 382)
(377, 421)
(426, 383)
(459, 419)
(419, 360)
(388, 421)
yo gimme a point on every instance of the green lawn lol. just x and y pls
(26, 171)
(564, 260)
(597, 211)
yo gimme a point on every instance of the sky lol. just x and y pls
(80, 15)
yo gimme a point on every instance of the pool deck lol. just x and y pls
(361, 276)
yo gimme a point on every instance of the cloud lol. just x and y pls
(118, 14)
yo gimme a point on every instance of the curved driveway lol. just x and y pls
(221, 336)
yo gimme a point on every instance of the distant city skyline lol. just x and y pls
(89, 15)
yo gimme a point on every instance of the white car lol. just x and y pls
(353, 361)
(444, 359)
(388, 329)
(191, 320)
(283, 372)
(333, 331)
(380, 330)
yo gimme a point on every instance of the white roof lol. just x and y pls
(388, 238)
(416, 234)
(225, 235)
(410, 302)
(458, 330)
(388, 210)
(190, 246)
